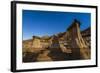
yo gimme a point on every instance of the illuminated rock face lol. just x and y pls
(70, 45)
(86, 34)
(36, 43)
(76, 42)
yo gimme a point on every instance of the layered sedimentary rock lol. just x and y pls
(72, 44)
(86, 35)
(76, 42)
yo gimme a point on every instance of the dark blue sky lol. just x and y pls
(42, 23)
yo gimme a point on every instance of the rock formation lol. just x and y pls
(73, 44)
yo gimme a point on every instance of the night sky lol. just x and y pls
(41, 23)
